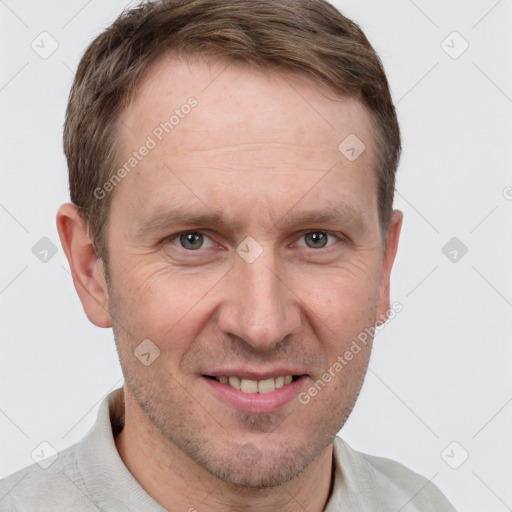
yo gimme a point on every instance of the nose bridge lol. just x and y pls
(259, 309)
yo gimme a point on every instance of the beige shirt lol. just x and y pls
(91, 476)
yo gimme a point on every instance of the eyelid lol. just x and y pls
(174, 237)
(339, 236)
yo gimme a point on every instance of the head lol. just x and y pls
(217, 213)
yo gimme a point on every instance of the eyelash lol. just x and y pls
(340, 237)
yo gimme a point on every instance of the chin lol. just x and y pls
(251, 467)
(266, 473)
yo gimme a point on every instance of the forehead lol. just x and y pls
(213, 124)
(272, 104)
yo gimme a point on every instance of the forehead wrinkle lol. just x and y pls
(253, 146)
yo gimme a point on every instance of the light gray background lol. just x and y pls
(440, 371)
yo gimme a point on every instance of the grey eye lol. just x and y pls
(191, 240)
(316, 239)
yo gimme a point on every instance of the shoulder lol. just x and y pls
(387, 483)
(58, 487)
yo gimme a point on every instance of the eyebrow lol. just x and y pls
(342, 212)
(161, 219)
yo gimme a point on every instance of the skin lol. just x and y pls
(261, 151)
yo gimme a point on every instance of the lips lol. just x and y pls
(255, 393)
(255, 385)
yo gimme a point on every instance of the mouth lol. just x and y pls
(255, 393)
(251, 386)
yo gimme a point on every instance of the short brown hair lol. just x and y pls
(308, 37)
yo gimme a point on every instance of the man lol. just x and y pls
(232, 172)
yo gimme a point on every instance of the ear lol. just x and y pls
(393, 234)
(86, 269)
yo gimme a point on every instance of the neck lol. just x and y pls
(176, 482)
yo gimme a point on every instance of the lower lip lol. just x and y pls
(256, 403)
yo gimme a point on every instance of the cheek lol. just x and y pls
(341, 300)
(160, 303)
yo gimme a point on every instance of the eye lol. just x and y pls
(192, 240)
(317, 239)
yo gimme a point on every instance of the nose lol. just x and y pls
(259, 307)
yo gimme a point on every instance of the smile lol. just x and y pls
(256, 386)
(253, 395)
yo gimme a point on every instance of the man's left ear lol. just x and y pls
(393, 234)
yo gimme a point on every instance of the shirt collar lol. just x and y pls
(107, 479)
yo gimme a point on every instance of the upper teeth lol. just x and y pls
(256, 386)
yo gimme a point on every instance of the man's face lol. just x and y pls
(278, 268)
